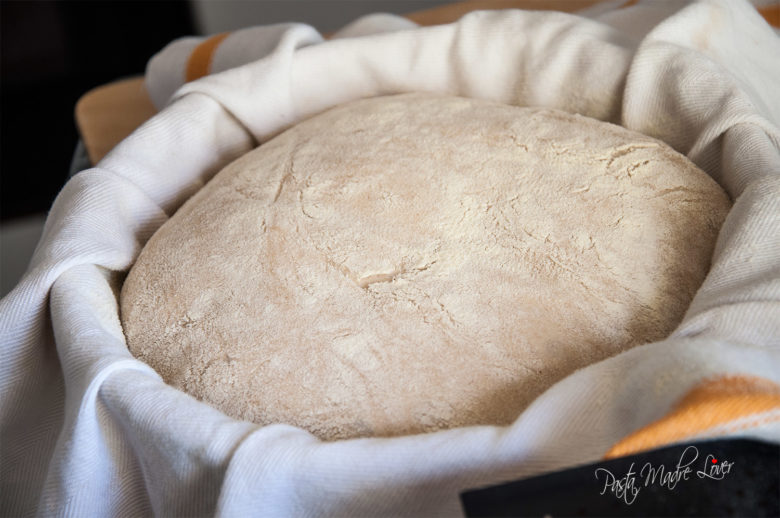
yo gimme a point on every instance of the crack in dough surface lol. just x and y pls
(416, 262)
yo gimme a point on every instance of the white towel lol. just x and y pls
(87, 430)
(187, 59)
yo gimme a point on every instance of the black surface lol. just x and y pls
(51, 54)
(751, 487)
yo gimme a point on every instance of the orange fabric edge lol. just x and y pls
(199, 63)
(771, 14)
(711, 403)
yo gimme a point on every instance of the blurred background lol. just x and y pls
(53, 52)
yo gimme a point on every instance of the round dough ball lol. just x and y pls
(410, 263)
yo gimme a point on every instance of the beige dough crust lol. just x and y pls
(410, 263)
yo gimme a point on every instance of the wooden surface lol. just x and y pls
(452, 12)
(109, 113)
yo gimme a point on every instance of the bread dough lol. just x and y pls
(410, 263)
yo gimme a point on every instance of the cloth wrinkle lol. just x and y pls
(703, 78)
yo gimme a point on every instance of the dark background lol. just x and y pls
(52, 53)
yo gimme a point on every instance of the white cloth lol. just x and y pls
(166, 71)
(87, 430)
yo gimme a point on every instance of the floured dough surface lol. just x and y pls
(411, 263)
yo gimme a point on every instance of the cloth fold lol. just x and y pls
(187, 59)
(88, 430)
